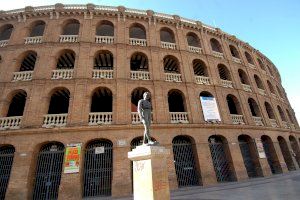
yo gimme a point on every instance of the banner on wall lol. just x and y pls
(260, 148)
(72, 158)
(210, 109)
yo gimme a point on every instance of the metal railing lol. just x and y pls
(10, 122)
(62, 74)
(247, 88)
(179, 117)
(105, 74)
(34, 40)
(258, 121)
(237, 119)
(104, 39)
(138, 42)
(172, 77)
(68, 38)
(202, 80)
(195, 49)
(142, 75)
(226, 83)
(52, 120)
(96, 118)
(168, 45)
(22, 76)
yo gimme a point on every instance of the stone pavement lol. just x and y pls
(278, 187)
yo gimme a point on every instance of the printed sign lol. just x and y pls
(210, 109)
(99, 150)
(260, 148)
(72, 158)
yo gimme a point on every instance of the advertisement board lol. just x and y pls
(210, 109)
(260, 148)
(72, 158)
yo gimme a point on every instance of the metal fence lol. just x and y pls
(6, 161)
(272, 157)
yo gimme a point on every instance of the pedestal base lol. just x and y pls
(150, 174)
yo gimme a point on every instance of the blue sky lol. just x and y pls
(271, 26)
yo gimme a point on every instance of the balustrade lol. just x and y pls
(68, 38)
(237, 60)
(10, 122)
(273, 123)
(202, 80)
(33, 40)
(237, 119)
(285, 125)
(3, 43)
(96, 118)
(179, 117)
(168, 45)
(142, 75)
(226, 83)
(104, 39)
(172, 77)
(258, 121)
(251, 66)
(261, 91)
(23, 76)
(247, 88)
(105, 74)
(62, 74)
(53, 120)
(195, 49)
(138, 42)
(218, 54)
(135, 118)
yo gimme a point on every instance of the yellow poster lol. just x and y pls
(72, 158)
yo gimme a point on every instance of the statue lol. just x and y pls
(144, 109)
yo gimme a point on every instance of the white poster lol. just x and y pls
(210, 109)
(260, 148)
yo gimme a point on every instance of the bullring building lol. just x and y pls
(71, 76)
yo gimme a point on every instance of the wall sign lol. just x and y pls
(210, 109)
(72, 158)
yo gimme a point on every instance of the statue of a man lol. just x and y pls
(144, 109)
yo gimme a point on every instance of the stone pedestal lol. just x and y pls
(150, 175)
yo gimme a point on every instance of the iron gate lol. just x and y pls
(184, 160)
(272, 157)
(48, 171)
(98, 166)
(221, 163)
(249, 159)
(296, 151)
(286, 155)
(6, 161)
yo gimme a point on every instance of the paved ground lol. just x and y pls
(277, 187)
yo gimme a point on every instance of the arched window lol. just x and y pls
(5, 32)
(102, 100)
(286, 153)
(28, 62)
(103, 60)
(98, 168)
(37, 29)
(243, 77)
(234, 52)
(167, 35)
(258, 82)
(271, 155)
(6, 161)
(282, 116)
(139, 62)
(290, 118)
(261, 64)
(17, 104)
(233, 105)
(105, 28)
(250, 157)
(224, 72)
(269, 110)
(221, 158)
(59, 102)
(215, 45)
(136, 95)
(193, 40)
(279, 91)
(137, 31)
(176, 101)
(185, 155)
(271, 88)
(71, 27)
(48, 171)
(270, 70)
(171, 64)
(254, 108)
(200, 68)
(249, 58)
(66, 60)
